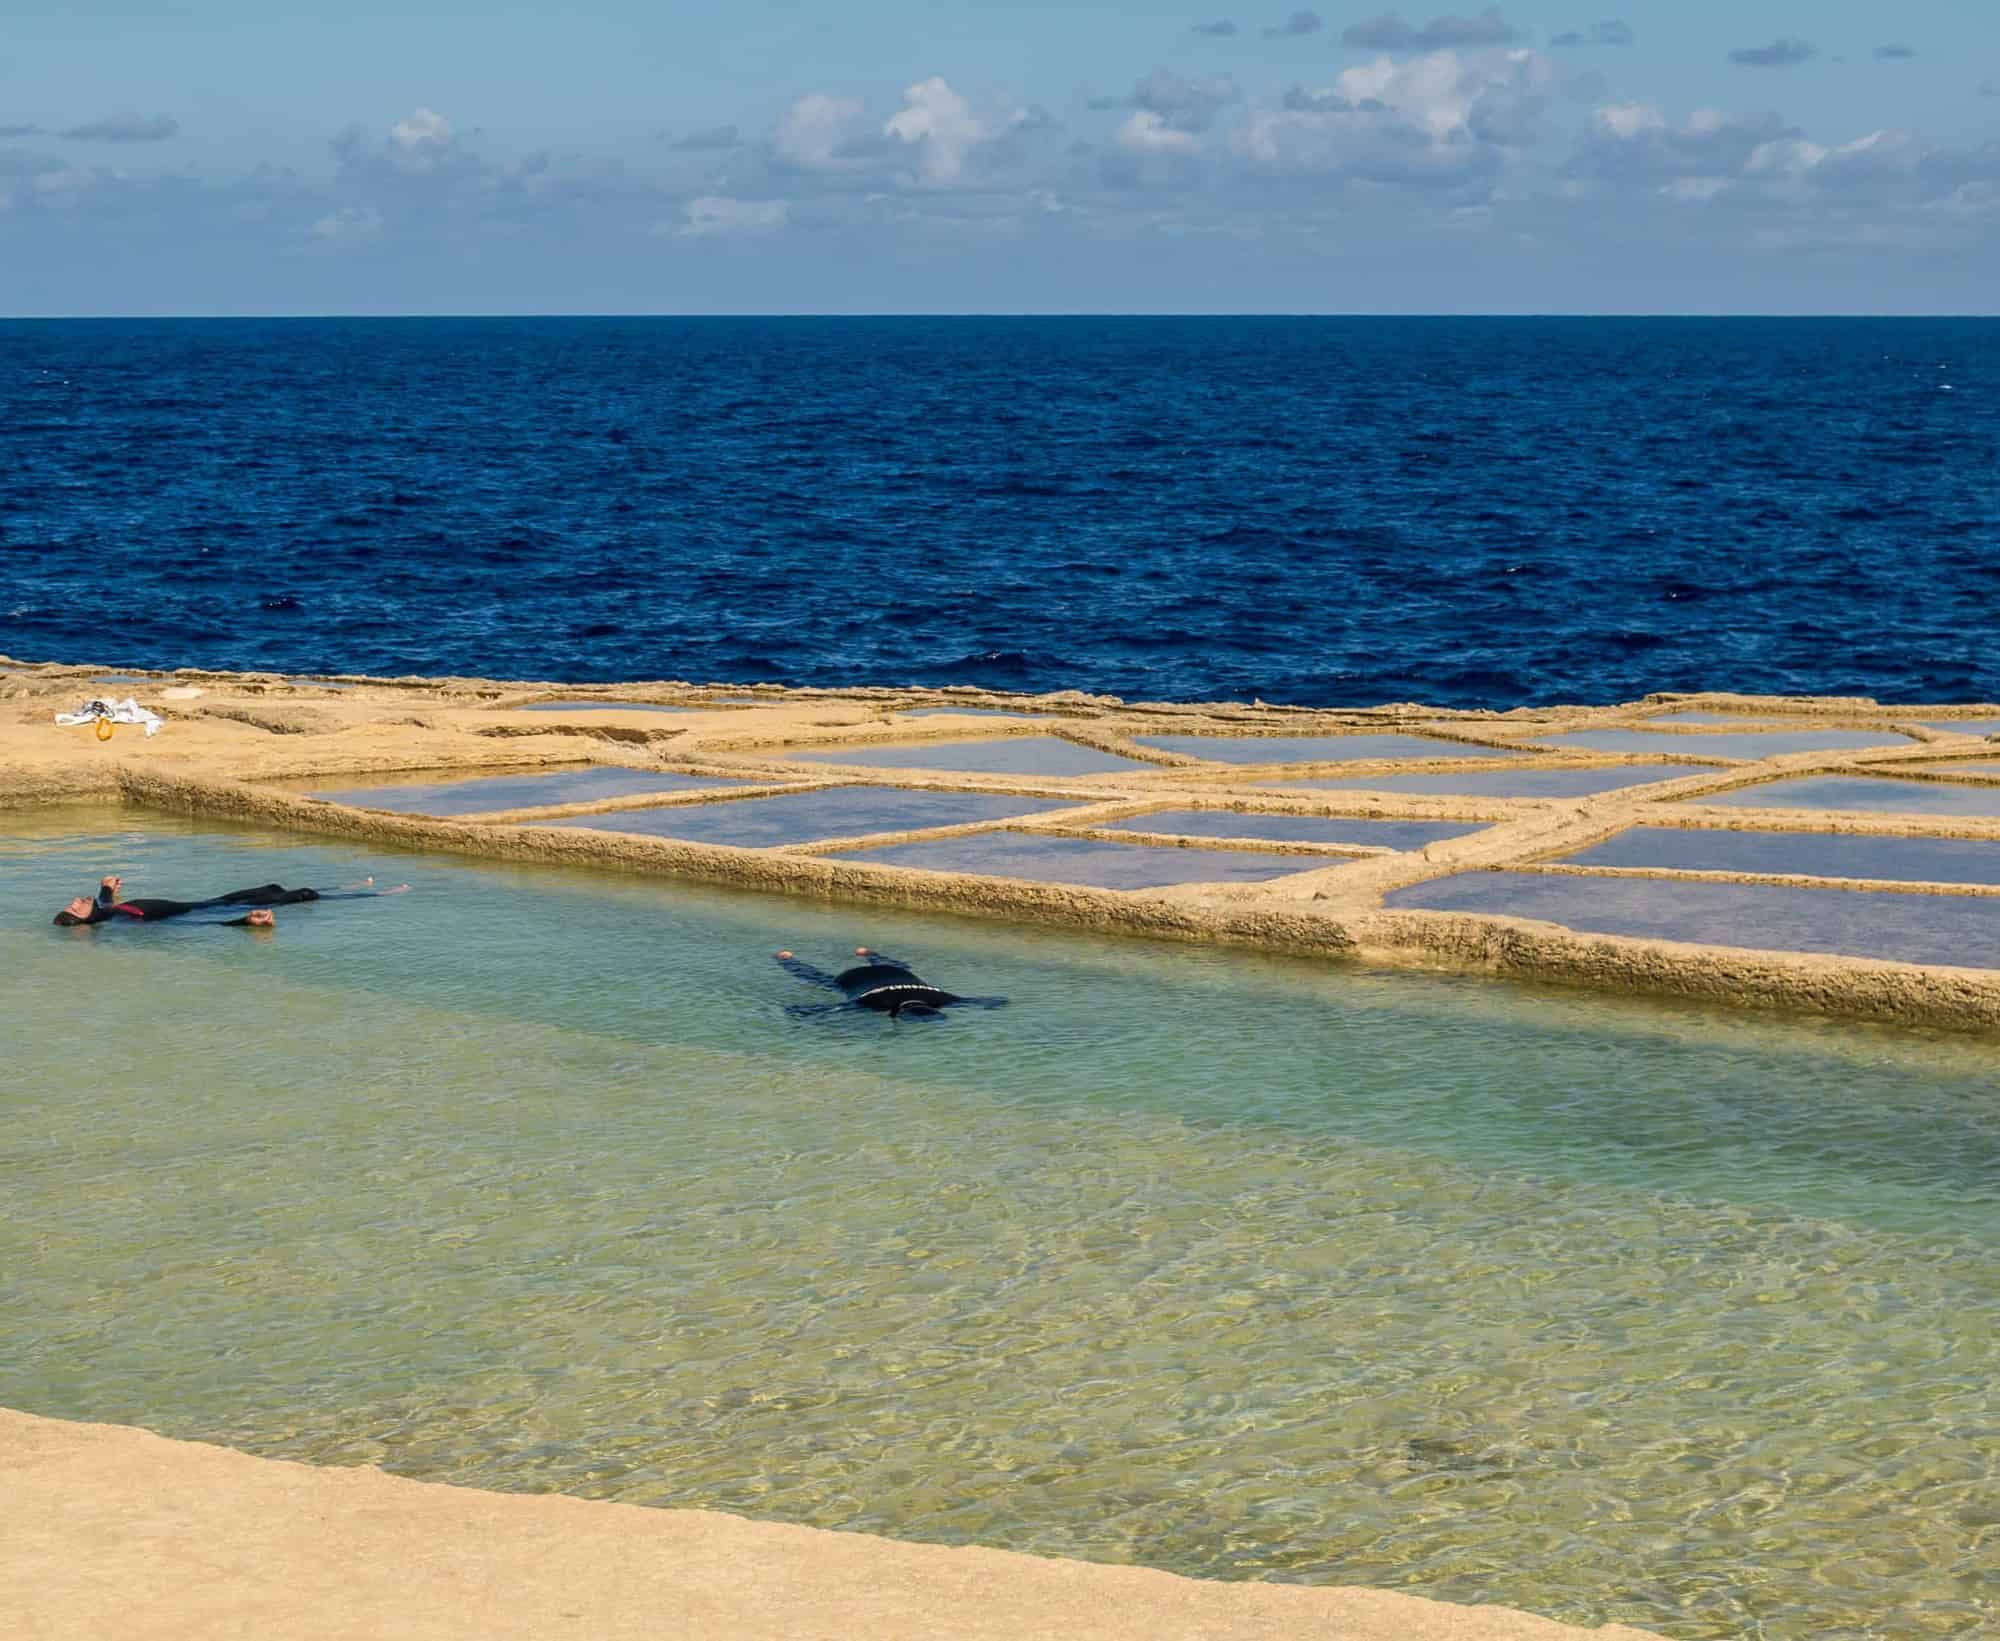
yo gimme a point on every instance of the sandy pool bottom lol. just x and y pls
(1233, 1266)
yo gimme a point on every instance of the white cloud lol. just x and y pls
(1147, 133)
(1436, 118)
(1627, 120)
(1185, 105)
(1636, 143)
(715, 216)
(944, 130)
(822, 133)
(420, 145)
(1445, 94)
(424, 132)
(1391, 152)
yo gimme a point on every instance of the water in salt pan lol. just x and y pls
(518, 1264)
(1092, 861)
(1862, 792)
(1965, 726)
(1798, 854)
(961, 712)
(1237, 1266)
(1747, 744)
(602, 706)
(539, 789)
(1341, 829)
(1504, 783)
(1961, 930)
(1725, 720)
(1299, 749)
(807, 817)
(1016, 755)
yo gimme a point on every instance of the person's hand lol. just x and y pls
(114, 883)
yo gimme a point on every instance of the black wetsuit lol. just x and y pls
(106, 910)
(886, 985)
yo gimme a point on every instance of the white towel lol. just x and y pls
(127, 711)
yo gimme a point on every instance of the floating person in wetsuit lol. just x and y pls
(883, 984)
(108, 907)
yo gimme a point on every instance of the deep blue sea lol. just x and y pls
(1475, 512)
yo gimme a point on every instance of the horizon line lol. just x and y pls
(975, 313)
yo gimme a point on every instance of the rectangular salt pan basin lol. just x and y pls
(1799, 854)
(1965, 726)
(1224, 823)
(1091, 862)
(601, 706)
(1749, 744)
(1505, 783)
(527, 791)
(807, 817)
(1717, 719)
(1864, 793)
(1314, 749)
(963, 712)
(1018, 755)
(1962, 930)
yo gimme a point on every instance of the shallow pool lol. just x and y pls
(1015, 755)
(1032, 858)
(1236, 1266)
(1797, 854)
(1750, 743)
(1903, 926)
(1290, 749)
(1508, 783)
(1863, 792)
(1338, 829)
(531, 789)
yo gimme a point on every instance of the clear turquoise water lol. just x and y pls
(1236, 1266)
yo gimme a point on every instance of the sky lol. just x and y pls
(1544, 156)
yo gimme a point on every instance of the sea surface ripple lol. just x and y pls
(1473, 512)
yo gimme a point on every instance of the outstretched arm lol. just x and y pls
(803, 970)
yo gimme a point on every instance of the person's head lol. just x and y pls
(77, 911)
(262, 918)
